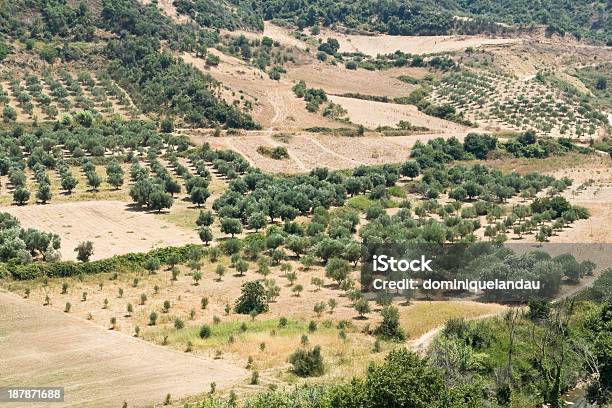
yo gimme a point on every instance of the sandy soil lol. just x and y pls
(111, 225)
(592, 188)
(386, 44)
(373, 114)
(308, 150)
(339, 80)
(97, 367)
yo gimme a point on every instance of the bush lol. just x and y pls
(307, 363)
(351, 65)
(84, 251)
(152, 319)
(276, 153)
(205, 331)
(253, 298)
(21, 195)
(390, 328)
(127, 262)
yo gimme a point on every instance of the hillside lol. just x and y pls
(583, 18)
(197, 196)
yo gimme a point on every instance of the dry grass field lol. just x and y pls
(113, 227)
(338, 80)
(97, 367)
(372, 114)
(311, 150)
(386, 44)
(234, 338)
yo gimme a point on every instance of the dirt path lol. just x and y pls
(277, 105)
(97, 367)
(421, 344)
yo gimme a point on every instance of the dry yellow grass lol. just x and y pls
(311, 150)
(111, 225)
(423, 316)
(386, 44)
(372, 114)
(344, 357)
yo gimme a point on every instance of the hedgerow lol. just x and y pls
(117, 263)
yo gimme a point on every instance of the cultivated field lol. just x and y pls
(500, 102)
(309, 150)
(234, 338)
(54, 94)
(113, 226)
(385, 44)
(97, 367)
(372, 114)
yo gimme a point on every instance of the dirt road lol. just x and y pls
(421, 344)
(40, 346)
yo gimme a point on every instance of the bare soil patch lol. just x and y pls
(386, 44)
(310, 150)
(372, 114)
(42, 346)
(339, 80)
(112, 227)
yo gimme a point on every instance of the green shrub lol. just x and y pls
(390, 328)
(307, 363)
(253, 298)
(205, 331)
(118, 263)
